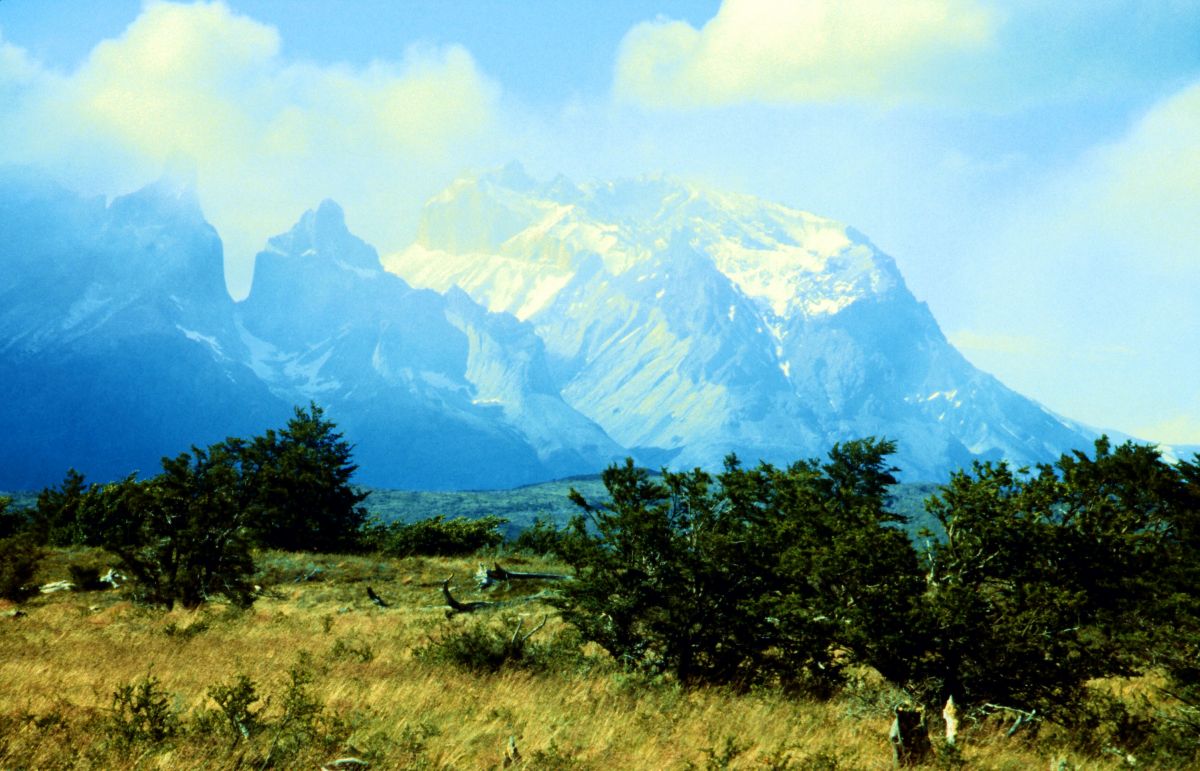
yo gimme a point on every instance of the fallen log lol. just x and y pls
(491, 576)
(457, 606)
(463, 607)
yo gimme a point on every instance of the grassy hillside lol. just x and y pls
(339, 677)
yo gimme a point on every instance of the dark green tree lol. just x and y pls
(65, 515)
(1047, 580)
(435, 536)
(295, 483)
(12, 521)
(182, 536)
(759, 574)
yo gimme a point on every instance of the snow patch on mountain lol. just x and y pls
(696, 322)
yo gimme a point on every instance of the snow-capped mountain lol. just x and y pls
(690, 323)
(533, 330)
(119, 344)
(433, 389)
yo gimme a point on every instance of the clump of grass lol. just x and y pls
(491, 646)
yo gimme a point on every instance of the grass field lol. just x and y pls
(339, 677)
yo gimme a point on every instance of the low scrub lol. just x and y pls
(436, 536)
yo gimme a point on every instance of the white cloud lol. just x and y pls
(789, 51)
(1144, 191)
(200, 86)
(1180, 428)
(1102, 261)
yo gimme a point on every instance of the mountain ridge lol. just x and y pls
(699, 322)
(533, 331)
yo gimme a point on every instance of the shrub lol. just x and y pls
(487, 647)
(180, 536)
(438, 536)
(753, 576)
(542, 537)
(85, 577)
(141, 713)
(19, 557)
(295, 484)
(12, 522)
(1044, 581)
(234, 700)
(303, 724)
(68, 515)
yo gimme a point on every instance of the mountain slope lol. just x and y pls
(117, 342)
(690, 323)
(434, 390)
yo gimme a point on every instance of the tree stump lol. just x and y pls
(910, 740)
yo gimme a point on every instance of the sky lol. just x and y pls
(1033, 166)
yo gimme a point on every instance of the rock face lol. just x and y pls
(119, 344)
(689, 323)
(434, 390)
(117, 339)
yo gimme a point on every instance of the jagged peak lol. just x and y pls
(171, 197)
(322, 232)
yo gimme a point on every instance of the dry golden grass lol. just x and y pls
(60, 663)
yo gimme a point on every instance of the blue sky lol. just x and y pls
(1033, 166)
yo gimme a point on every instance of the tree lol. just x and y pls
(11, 522)
(296, 485)
(64, 515)
(1046, 580)
(181, 536)
(759, 574)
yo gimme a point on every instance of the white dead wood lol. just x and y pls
(471, 606)
(950, 715)
(487, 577)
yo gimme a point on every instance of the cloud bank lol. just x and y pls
(802, 51)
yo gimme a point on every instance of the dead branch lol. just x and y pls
(518, 639)
(463, 607)
(471, 606)
(496, 574)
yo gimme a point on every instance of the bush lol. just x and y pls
(234, 700)
(1081, 570)
(85, 577)
(542, 537)
(484, 647)
(304, 724)
(19, 558)
(141, 713)
(295, 484)
(437, 536)
(757, 575)
(12, 522)
(181, 536)
(68, 515)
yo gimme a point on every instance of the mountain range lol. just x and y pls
(533, 330)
